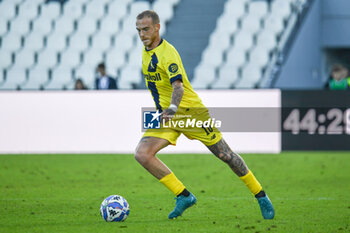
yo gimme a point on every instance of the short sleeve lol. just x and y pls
(173, 67)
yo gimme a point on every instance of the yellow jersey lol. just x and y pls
(162, 66)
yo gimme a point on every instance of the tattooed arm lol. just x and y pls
(176, 96)
(224, 152)
(178, 91)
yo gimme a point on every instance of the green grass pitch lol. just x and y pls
(63, 193)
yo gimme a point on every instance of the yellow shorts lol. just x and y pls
(171, 130)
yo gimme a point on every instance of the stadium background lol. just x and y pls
(61, 149)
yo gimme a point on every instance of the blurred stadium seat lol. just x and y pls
(34, 42)
(109, 26)
(273, 23)
(92, 57)
(78, 43)
(259, 57)
(47, 59)
(258, 9)
(11, 42)
(135, 57)
(8, 10)
(251, 74)
(29, 10)
(70, 59)
(254, 27)
(50, 11)
(204, 75)
(87, 74)
(5, 60)
(37, 78)
(117, 10)
(86, 26)
(228, 75)
(20, 26)
(64, 26)
(56, 42)
(72, 10)
(96, 9)
(251, 24)
(60, 78)
(236, 57)
(266, 39)
(130, 77)
(42, 26)
(226, 25)
(24, 59)
(15, 76)
(281, 8)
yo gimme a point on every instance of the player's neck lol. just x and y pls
(155, 43)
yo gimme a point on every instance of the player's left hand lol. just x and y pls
(167, 114)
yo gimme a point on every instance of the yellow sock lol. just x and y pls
(252, 183)
(172, 183)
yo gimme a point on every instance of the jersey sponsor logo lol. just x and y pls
(153, 78)
(152, 67)
(173, 68)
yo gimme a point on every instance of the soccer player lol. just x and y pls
(172, 93)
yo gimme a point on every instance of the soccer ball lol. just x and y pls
(114, 209)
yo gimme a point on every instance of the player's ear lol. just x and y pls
(157, 25)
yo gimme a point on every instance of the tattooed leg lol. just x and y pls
(237, 164)
(224, 152)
